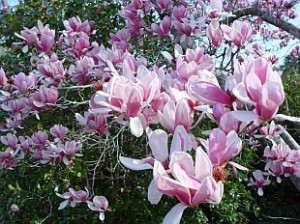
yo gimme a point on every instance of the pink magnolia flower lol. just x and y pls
(164, 5)
(47, 154)
(39, 139)
(215, 36)
(73, 197)
(9, 140)
(24, 143)
(92, 122)
(179, 12)
(216, 8)
(41, 37)
(99, 204)
(207, 88)
(174, 115)
(261, 87)
(24, 83)
(59, 131)
(259, 181)
(239, 33)
(192, 184)
(121, 40)
(52, 69)
(186, 69)
(269, 131)
(128, 95)
(80, 72)
(76, 44)
(44, 98)
(185, 31)
(68, 150)
(281, 160)
(221, 147)
(163, 30)
(16, 107)
(8, 159)
(75, 24)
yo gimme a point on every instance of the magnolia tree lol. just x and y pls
(206, 65)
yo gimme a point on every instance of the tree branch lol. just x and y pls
(284, 25)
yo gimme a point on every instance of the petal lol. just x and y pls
(203, 166)
(218, 194)
(101, 216)
(180, 175)
(253, 86)
(183, 114)
(181, 140)
(244, 116)
(168, 186)
(136, 126)
(175, 214)
(63, 205)
(158, 142)
(154, 195)
(210, 93)
(241, 93)
(135, 164)
(204, 192)
(183, 159)
(92, 206)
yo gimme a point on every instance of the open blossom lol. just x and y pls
(239, 33)
(162, 30)
(259, 181)
(269, 131)
(39, 139)
(221, 147)
(52, 69)
(127, 96)
(73, 197)
(68, 150)
(92, 122)
(121, 40)
(59, 131)
(214, 35)
(262, 87)
(173, 115)
(192, 184)
(9, 140)
(24, 83)
(80, 72)
(41, 37)
(75, 24)
(16, 107)
(44, 98)
(99, 204)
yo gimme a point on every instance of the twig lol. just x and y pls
(281, 118)
(282, 218)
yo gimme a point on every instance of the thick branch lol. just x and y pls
(286, 26)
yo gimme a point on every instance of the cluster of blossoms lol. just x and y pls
(99, 203)
(175, 97)
(40, 147)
